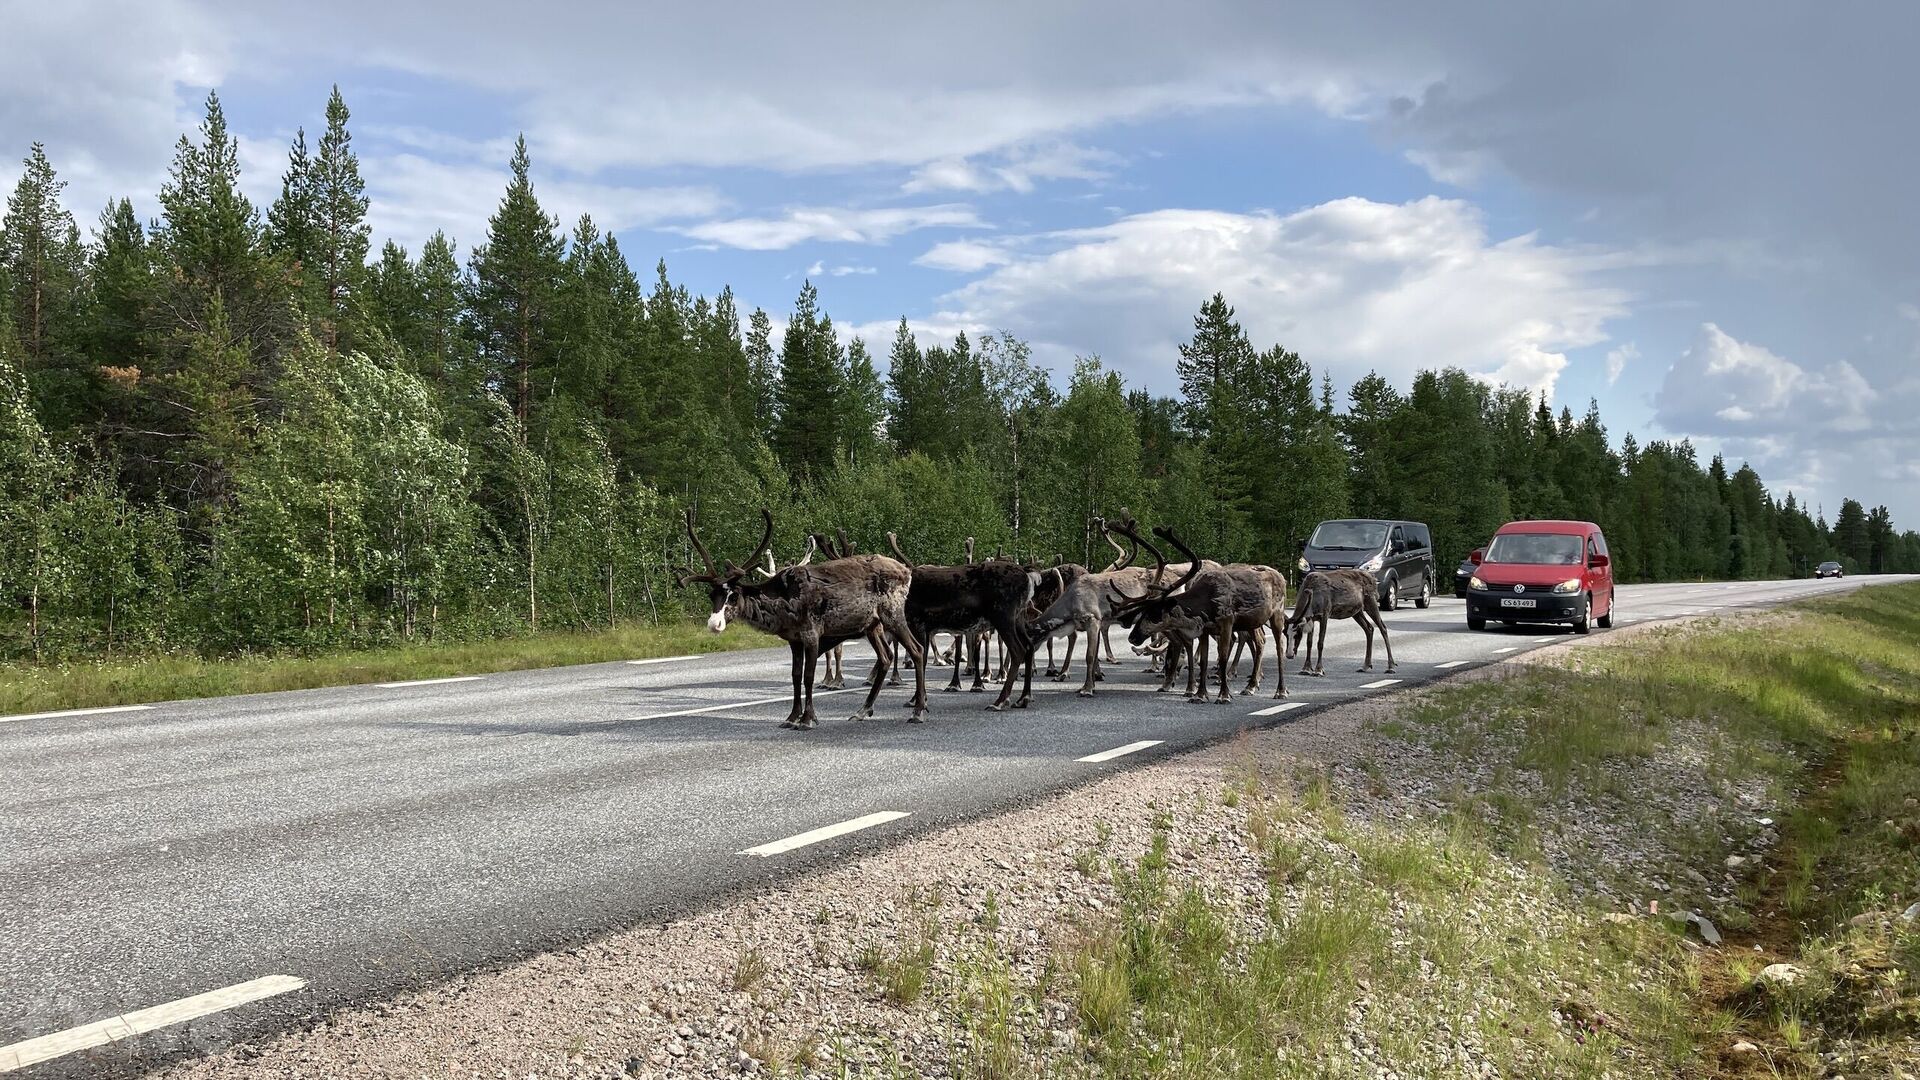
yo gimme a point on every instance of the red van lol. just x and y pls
(1542, 572)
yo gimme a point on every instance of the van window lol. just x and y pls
(1348, 536)
(1398, 539)
(1420, 539)
(1600, 539)
(1539, 549)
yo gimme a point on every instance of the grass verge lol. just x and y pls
(82, 685)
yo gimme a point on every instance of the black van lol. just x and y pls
(1399, 555)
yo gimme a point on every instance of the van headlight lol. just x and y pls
(1303, 563)
(1476, 584)
(1371, 564)
(1569, 586)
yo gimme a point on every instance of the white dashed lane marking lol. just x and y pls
(74, 712)
(126, 1026)
(1378, 684)
(427, 682)
(1454, 664)
(1121, 751)
(1509, 648)
(723, 706)
(663, 659)
(1275, 710)
(826, 832)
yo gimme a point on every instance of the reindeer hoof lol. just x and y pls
(998, 706)
(1278, 694)
(919, 717)
(1390, 670)
(862, 715)
(950, 689)
(976, 689)
(1022, 703)
(1083, 693)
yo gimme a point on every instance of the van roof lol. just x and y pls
(1577, 528)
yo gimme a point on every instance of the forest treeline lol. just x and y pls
(231, 430)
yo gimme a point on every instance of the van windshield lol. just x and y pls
(1538, 549)
(1349, 536)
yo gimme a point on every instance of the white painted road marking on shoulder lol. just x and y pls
(74, 712)
(100, 1033)
(1121, 751)
(665, 659)
(723, 706)
(1509, 648)
(826, 832)
(1454, 663)
(1538, 640)
(1378, 684)
(1285, 706)
(427, 682)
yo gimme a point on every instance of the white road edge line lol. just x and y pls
(1285, 706)
(1538, 640)
(665, 659)
(427, 682)
(127, 1025)
(724, 705)
(825, 832)
(74, 712)
(1454, 663)
(1121, 751)
(1379, 684)
(1509, 648)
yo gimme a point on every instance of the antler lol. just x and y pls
(894, 543)
(766, 545)
(1130, 529)
(845, 549)
(1193, 561)
(713, 572)
(969, 547)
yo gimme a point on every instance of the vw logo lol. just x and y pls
(1519, 588)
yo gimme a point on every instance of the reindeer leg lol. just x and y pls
(1259, 647)
(1106, 638)
(799, 658)
(1008, 632)
(807, 719)
(1367, 628)
(896, 624)
(1279, 661)
(1384, 643)
(1066, 666)
(1226, 650)
(1320, 657)
(979, 664)
(879, 643)
(1093, 658)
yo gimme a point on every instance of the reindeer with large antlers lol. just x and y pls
(1222, 602)
(813, 608)
(1088, 602)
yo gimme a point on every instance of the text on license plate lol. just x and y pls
(1510, 602)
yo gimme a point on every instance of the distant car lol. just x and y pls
(1399, 555)
(1461, 575)
(1829, 569)
(1543, 572)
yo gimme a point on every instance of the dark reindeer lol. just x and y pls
(813, 608)
(956, 599)
(1336, 594)
(1224, 602)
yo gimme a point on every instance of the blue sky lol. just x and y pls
(1698, 214)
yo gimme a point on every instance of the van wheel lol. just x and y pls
(1476, 622)
(1580, 624)
(1606, 621)
(1426, 593)
(1390, 600)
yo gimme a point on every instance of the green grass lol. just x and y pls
(28, 688)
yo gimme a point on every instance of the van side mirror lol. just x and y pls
(1598, 561)
(1479, 556)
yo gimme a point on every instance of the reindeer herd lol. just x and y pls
(999, 612)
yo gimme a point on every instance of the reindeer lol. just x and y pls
(1088, 603)
(958, 598)
(1224, 601)
(1338, 594)
(814, 608)
(835, 658)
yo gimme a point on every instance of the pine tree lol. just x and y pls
(290, 220)
(515, 277)
(42, 266)
(1370, 431)
(907, 402)
(763, 376)
(863, 407)
(211, 231)
(341, 234)
(809, 394)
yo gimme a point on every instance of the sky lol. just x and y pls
(1700, 215)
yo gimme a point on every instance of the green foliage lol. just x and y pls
(224, 434)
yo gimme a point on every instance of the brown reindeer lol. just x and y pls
(1224, 601)
(813, 608)
(1335, 594)
(1088, 604)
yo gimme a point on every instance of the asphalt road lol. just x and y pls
(366, 839)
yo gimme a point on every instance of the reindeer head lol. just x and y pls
(1296, 628)
(1157, 610)
(724, 588)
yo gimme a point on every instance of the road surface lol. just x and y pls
(288, 853)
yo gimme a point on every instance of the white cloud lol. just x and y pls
(966, 256)
(1019, 169)
(1618, 359)
(820, 268)
(833, 224)
(1350, 284)
(1721, 386)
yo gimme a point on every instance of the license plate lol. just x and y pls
(1510, 602)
